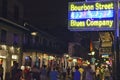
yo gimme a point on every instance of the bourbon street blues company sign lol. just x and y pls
(91, 16)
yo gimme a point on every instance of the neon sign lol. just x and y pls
(91, 16)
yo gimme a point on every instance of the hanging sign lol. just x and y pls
(91, 16)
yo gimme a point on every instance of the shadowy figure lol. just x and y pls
(36, 73)
(1, 72)
(89, 73)
(14, 70)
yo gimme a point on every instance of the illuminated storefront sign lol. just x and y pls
(91, 16)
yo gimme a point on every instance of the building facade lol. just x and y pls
(17, 43)
(42, 48)
(11, 36)
(11, 15)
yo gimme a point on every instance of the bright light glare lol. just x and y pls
(4, 47)
(14, 57)
(34, 33)
(92, 53)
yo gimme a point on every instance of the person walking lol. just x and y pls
(89, 73)
(36, 73)
(81, 70)
(64, 73)
(107, 73)
(77, 75)
(14, 70)
(27, 73)
(97, 73)
(68, 71)
(53, 74)
(1, 72)
(72, 72)
(43, 72)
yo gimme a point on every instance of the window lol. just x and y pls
(16, 12)
(41, 41)
(26, 40)
(44, 42)
(3, 35)
(4, 9)
(16, 39)
(50, 43)
(37, 39)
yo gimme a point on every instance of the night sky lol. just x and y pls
(49, 16)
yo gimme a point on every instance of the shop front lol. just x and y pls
(8, 54)
(34, 58)
(3, 56)
(39, 59)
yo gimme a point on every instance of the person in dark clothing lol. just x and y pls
(27, 73)
(14, 71)
(68, 71)
(1, 72)
(18, 74)
(36, 73)
(64, 73)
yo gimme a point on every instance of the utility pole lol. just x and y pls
(116, 40)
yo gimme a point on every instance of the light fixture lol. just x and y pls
(14, 57)
(4, 47)
(74, 60)
(33, 33)
(92, 53)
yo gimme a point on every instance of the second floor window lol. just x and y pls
(15, 38)
(16, 12)
(26, 39)
(41, 40)
(36, 40)
(3, 35)
(4, 8)
(44, 42)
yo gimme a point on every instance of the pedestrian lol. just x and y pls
(36, 73)
(18, 74)
(1, 72)
(102, 72)
(53, 74)
(77, 75)
(14, 70)
(27, 73)
(107, 73)
(97, 73)
(89, 73)
(81, 70)
(68, 71)
(73, 70)
(43, 72)
(64, 73)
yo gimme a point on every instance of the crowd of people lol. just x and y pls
(78, 72)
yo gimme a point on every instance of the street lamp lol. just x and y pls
(93, 58)
(33, 33)
(93, 53)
